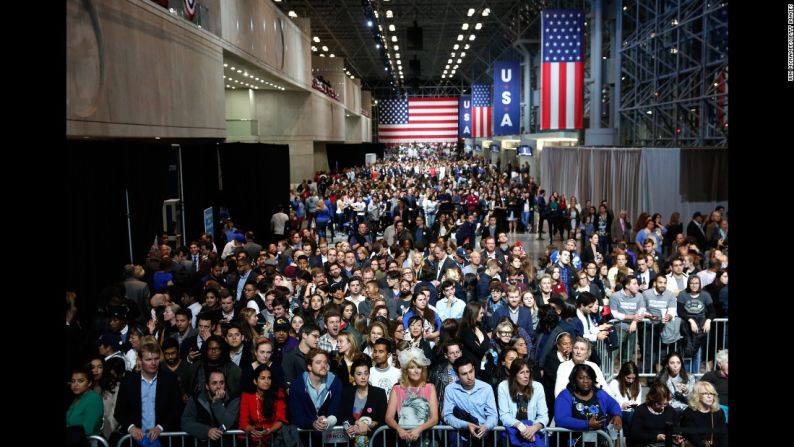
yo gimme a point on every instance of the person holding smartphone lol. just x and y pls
(648, 427)
(583, 405)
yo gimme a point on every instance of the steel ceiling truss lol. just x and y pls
(674, 87)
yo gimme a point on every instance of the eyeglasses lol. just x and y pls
(505, 332)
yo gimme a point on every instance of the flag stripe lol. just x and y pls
(578, 96)
(545, 92)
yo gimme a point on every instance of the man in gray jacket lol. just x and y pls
(211, 412)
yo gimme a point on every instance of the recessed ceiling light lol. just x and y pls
(465, 26)
(396, 48)
(486, 12)
(225, 65)
(455, 47)
(394, 38)
(292, 14)
(472, 37)
(460, 36)
(463, 54)
(471, 12)
(316, 39)
(478, 26)
(325, 48)
(392, 27)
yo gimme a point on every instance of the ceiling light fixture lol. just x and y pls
(486, 12)
(292, 14)
(465, 26)
(392, 27)
(472, 37)
(316, 39)
(478, 26)
(471, 12)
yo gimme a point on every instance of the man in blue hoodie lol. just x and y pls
(316, 395)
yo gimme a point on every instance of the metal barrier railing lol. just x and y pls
(95, 441)
(168, 439)
(440, 436)
(446, 436)
(647, 343)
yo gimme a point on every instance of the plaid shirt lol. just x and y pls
(327, 344)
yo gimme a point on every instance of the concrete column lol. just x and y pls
(301, 160)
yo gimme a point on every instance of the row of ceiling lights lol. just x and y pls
(457, 54)
(248, 80)
(382, 40)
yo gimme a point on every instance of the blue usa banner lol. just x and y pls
(464, 117)
(506, 97)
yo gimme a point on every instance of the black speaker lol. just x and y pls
(415, 38)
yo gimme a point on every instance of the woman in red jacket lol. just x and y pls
(263, 412)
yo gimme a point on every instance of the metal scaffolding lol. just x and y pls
(674, 73)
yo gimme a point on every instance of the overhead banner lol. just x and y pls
(506, 98)
(464, 117)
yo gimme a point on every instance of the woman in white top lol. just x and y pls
(581, 352)
(626, 390)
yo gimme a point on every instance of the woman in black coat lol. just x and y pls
(363, 406)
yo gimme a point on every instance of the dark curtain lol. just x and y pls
(200, 184)
(704, 175)
(341, 156)
(255, 180)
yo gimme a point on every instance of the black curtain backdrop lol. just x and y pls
(350, 155)
(255, 179)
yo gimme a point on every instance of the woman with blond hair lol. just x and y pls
(413, 405)
(703, 422)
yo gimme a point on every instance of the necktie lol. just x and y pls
(195, 262)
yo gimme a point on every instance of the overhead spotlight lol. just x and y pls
(466, 47)
(443, 76)
(478, 26)
(292, 14)
(465, 26)
(472, 37)
(397, 55)
(314, 48)
(377, 46)
(452, 54)
(459, 60)
(455, 47)
(389, 14)
(396, 48)
(460, 36)
(225, 65)
(394, 38)
(447, 66)
(463, 54)
(316, 39)
(325, 48)
(392, 27)
(331, 55)
(471, 12)
(486, 12)
(322, 54)
(369, 23)
(449, 61)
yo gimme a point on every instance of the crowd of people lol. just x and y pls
(422, 313)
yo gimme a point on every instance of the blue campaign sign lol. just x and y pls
(506, 97)
(477, 148)
(467, 147)
(525, 150)
(494, 147)
(209, 225)
(464, 117)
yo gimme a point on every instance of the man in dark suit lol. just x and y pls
(645, 276)
(442, 263)
(149, 402)
(137, 291)
(251, 248)
(695, 229)
(491, 229)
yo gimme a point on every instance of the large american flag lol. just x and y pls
(562, 70)
(481, 110)
(429, 120)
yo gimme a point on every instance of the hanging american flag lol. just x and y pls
(431, 120)
(481, 110)
(562, 70)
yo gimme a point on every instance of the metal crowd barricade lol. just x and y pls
(652, 351)
(183, 439)
(438, 437)
(97, 441)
